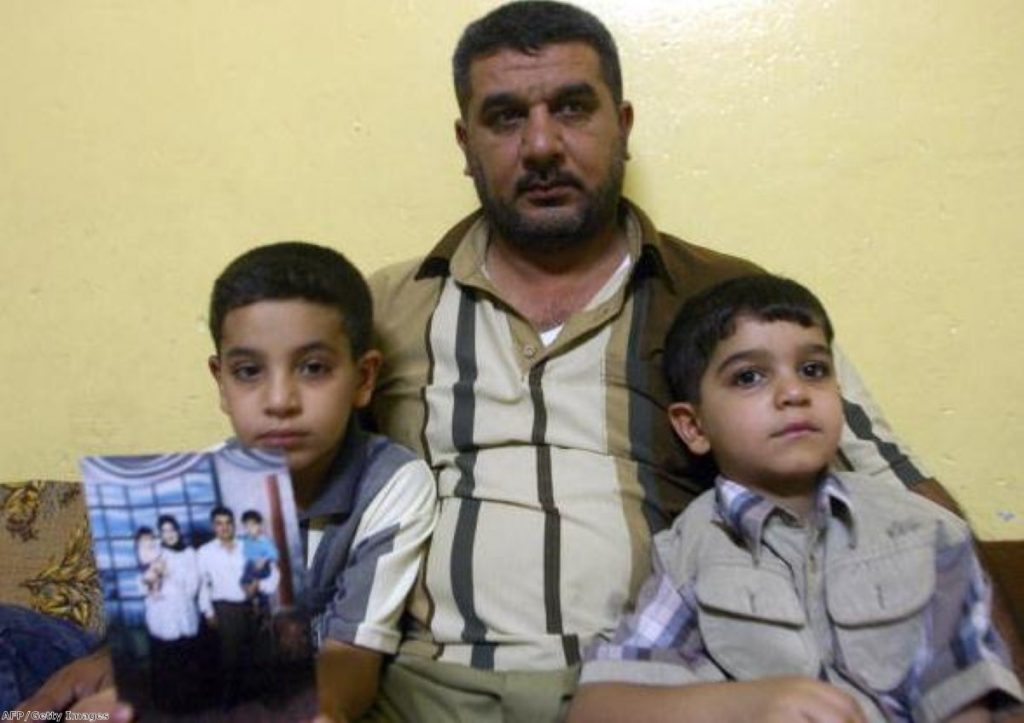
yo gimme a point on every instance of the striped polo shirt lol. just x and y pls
(555, 463)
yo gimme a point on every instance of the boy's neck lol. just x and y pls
(797, 497)
(307, 487)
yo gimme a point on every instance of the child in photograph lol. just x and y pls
(260, 556)
(147, 551)
(832, 596)
(292, 324)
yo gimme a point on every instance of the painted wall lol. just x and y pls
(874, 150)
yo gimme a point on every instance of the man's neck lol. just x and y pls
(549, 287)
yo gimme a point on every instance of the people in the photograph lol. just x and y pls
(260, 557)
(227, 605)
(172, 618)
(147, 552)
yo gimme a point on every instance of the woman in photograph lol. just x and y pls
(172, 618)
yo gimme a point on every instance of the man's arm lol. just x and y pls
(346, 680)
(771, 700)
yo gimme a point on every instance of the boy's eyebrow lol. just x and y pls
(758, 353)
(244, 351)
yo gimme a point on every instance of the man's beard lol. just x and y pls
(553, 234)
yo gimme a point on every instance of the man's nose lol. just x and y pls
(542, 139)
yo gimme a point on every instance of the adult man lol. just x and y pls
(522, 358)
(227, 605)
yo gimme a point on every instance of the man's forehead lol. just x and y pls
(508, 70)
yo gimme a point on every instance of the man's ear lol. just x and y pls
(213, 363)
(367, 367)
(685, 419)
(625, 125)
(462, 138)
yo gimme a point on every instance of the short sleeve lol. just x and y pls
(384, 561)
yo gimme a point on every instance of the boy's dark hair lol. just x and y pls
(710, 317)
(527, 26)
(253, 516)
(295, 270)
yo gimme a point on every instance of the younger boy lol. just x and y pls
(866, 596)
(291, 325)
(260, 556)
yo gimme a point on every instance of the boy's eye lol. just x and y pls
(747, 377)
(245, 372)
(816, 370)
(314, 368)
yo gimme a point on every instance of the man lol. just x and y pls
(522, 357)
(227, 604)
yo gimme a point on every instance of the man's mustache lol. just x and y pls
(533, 181)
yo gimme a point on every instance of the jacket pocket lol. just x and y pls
(752, 621)
(876, 603)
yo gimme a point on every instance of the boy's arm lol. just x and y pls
(869, 446)
(965, 664)
(771, 700)
(346, 680)
(384, 561)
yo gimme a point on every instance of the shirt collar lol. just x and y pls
(745, 513)
(343, 478)
(650, 259)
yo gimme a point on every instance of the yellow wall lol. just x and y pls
(873, 149)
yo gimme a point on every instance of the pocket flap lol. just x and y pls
(759, 593)
(886, 586)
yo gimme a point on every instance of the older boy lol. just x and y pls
(291, 324)
(869, 598)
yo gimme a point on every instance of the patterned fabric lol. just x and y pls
(555, 463)
(47, 552)
(958, 657)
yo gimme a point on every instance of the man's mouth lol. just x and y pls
(547, 191)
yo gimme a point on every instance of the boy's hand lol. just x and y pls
(74, 681)
(778, 700)
(771, 700)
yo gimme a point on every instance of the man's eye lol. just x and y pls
(504, 118)
(245, 372)
(747, 377)
(816, 370)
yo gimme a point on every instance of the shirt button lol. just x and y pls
(529, 351)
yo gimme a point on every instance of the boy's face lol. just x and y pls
(288, 381)
(769, 408)
(252, 528)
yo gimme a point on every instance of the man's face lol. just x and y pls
(769, 408)
(545, 144)
(223, 528)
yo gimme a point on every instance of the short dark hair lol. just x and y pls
(252, 515)
(222, 511)
(708, 318)
(295, 270)
(527, 26)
